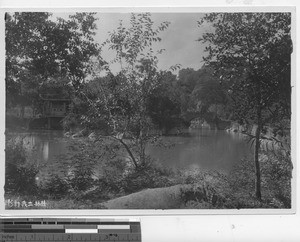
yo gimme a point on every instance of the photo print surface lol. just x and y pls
(148, 110)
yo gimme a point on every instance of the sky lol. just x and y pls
(179, 40)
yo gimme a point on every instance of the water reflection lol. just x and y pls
(45, 149)
(203, 148)
(44, 146)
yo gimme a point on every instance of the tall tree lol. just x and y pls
(21, 30)
(251, 55)
(39, 48)
(121, 99)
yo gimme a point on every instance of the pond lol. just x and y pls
(197, 148)
(205, 149)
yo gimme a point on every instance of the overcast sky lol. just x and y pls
(178, 40)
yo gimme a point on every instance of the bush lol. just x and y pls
(20, 173)
(81, 179)
(276, 177)
(204, 190)
(56, 187)
(150, 176)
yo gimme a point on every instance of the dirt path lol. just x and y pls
(156, 198)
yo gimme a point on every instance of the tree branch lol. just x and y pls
(125, 146)
(128, 151)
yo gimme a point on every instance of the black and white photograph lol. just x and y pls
(148, 110)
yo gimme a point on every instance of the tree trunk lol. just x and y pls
(142, 147)
(22, 112)
(129, 152)
(256, 153)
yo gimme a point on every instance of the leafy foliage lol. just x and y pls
(163, 103)
(276, 183)
(93, 170)
(241, 48)
(200, 90)
(38, 48)
(119, 102)
(20, 172)
(56, 187)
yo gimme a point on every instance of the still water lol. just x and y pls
(199, 148)
(205, 149)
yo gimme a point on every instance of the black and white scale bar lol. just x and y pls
(14, 237)
(49, 229)
(59, 228)
(34, 230)
(67, 231)
(67, 221)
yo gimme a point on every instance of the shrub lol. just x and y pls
(20, 172)
(276, 177)
(204, 190)
(150, 176)
(81, 179)
(112, 176)
(56, 187)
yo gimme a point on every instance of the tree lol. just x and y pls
(208, 93)
(201, 94)
(20, 30)
(187, 80)
(251, 55)
(38, 49)
(164, 104)
(120, 100)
